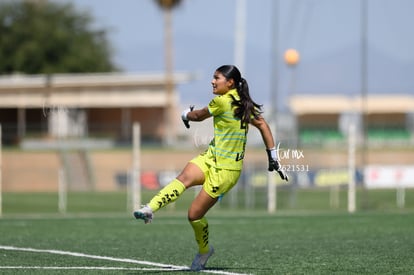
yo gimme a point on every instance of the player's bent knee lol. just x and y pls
(193, 216)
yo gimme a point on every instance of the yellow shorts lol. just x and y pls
(217, 181)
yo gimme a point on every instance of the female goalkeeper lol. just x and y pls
(219, 167)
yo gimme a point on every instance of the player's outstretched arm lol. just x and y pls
(194, 115)
(274, 164)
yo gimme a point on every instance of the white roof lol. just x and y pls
(87, 90)
(336, 104)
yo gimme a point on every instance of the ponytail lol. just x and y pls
(246, 108)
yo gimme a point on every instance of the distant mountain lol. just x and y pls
(337, 72)
(340, 72)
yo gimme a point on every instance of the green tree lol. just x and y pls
(39, 37)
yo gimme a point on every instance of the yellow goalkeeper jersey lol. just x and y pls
(226, 150)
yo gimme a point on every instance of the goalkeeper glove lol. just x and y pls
(184, 116)
(274, 164)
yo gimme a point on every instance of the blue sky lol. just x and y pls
(327, 34)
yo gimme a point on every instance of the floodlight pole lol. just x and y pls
(240, 35)
(274, 72)
(169, 78)
(364, 89)
(274, 82)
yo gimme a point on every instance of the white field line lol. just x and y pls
(86, 268)
(165, 267)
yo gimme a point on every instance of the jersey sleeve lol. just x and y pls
(217, 106)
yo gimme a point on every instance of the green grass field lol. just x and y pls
(245, 243)
(98, 236)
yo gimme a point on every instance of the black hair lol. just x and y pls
(245, 107)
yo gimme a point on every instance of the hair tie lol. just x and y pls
(241, 83)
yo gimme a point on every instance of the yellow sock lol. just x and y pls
(200, 228)
(167, 195)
